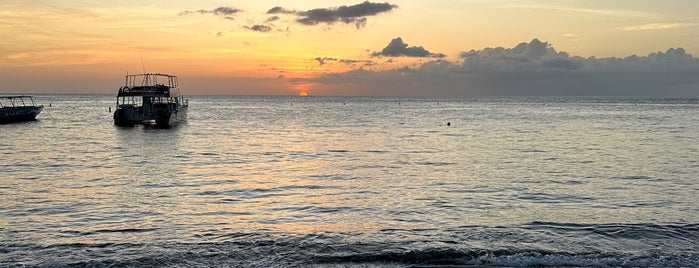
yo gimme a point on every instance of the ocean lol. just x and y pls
(263, 181)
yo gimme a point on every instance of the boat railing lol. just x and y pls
(151, 79)
(17, 101)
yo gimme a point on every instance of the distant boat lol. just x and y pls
(18, 109)
(150, 99)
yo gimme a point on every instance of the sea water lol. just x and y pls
(355, 181)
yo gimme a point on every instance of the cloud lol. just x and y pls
(280, 10)
(533, 68)
(226, 12)
(397, 48)
(259, 28)
(350, 62)
(354, 63)
(657, 26)
(521, 57)
(321, 60)
(272, 18)
(355, 14)
(601, 12)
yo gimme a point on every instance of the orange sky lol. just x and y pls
(237, 47)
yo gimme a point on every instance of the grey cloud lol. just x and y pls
(355, 14)
(273, 18)
(355, 62)
(259, 28)
(321, 60)
(397, 48)
(533, 68)
(222, 11)
(351, 62)
(524, 56)
(226, 12)
(280, 10)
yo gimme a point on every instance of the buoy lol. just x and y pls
(448, 123)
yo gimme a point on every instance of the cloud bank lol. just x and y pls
(533, 68)
(397, 48)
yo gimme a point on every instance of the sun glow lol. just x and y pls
(303, 93)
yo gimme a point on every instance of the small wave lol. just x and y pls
(126, 230)
(454, 135)
(29, 178)
(656, 204)
(552, 198)
(640, 178)
(687, 232)
(430, 163)
(104, 231)
(531, 150)
(376, 151)
(339, 177)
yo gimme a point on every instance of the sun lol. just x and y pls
(303, 93)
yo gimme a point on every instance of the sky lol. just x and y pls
(355, 48)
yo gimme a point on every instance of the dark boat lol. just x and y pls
(150, 99)
(18, 109)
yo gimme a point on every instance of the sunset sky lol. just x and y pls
(395, 48)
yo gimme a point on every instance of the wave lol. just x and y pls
(508, 258)
(207, 255)
(539, 244)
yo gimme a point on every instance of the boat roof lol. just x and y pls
(16, 96)
(16, 101)
(151, 79)
(150, 84)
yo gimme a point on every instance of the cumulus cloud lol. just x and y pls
(533, 68)
(226, 12)
(355, 14)
(397, 48)
(521, 57)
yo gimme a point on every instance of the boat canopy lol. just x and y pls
(16, 101)
(150, 84)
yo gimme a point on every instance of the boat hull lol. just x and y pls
(164, 118)
(19, 114)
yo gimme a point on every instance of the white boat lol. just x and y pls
(150, 99)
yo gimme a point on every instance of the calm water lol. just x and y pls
(291, 181)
